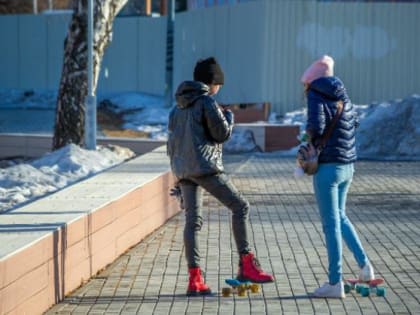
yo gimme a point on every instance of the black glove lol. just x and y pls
(176, 192)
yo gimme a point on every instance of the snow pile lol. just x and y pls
(390, 131)
(141, 112)
(55, 170)
(241, 141)
(297, 117)
(27, 99)
(123, 102)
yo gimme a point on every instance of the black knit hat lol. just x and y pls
(208, 71)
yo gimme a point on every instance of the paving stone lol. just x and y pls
(286, 234)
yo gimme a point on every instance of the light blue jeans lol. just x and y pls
(331, 184)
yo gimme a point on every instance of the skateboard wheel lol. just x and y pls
(255, 288)
(226, 292)
(347, 288)
(241, 292)
(242, 287)
(365, 291)
(380, 291)
(358, 288)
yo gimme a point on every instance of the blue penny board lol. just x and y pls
(235, 282)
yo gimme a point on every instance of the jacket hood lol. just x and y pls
(188, 92)
(332, 87)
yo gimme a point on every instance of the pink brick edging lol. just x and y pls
(42, 272)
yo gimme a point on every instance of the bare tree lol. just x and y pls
(70, 112)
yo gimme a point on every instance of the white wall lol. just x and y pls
(263, 46)
(135, 59)
(32, 53)
(31, 50)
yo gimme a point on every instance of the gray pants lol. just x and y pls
(221, 187)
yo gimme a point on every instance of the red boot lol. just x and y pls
(196, 285)
(249, 269)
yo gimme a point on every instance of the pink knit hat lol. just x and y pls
(323, 67)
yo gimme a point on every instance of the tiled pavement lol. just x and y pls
(384, 205)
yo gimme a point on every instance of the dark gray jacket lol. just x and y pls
(196, 130)
(323, 95)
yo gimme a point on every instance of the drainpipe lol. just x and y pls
(90, 102)
(35, 6)
(169, 52)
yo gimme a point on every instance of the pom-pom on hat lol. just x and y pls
(323, 67)
(208, 71)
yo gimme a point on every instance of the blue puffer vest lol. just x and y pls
(323, 96)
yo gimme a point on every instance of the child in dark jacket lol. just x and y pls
(332, 181)
(197, 128)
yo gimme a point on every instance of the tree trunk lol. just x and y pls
(70, 111)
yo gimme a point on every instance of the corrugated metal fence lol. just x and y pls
(263, 46)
